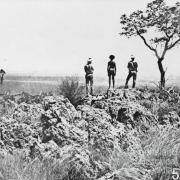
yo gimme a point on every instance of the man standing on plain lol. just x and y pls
(89, 69)
(111, 70)
(132, 67)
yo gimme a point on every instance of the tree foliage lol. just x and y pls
(164, 20)
(160, 21)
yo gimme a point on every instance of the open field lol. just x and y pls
(36, 84)
(14, 87)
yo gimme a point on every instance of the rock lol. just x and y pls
(114, 135)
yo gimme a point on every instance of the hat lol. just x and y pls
(111, 57)
(132, 56)
(89, 59)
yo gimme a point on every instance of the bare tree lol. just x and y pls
(161, 23)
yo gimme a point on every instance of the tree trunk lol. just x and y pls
(162, 72)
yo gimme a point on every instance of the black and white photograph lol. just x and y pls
(89, 89)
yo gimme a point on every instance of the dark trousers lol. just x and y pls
(89, 82)
(131, 74)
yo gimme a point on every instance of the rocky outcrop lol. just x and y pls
(109, 136)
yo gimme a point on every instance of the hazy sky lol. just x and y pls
(50, 37)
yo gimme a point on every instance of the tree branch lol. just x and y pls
(171, 35)
(173, 44)
(145, 42)
(166, 34)
(165, 49)
(156, 53)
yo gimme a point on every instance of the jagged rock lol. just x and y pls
(116, 135)
(60, 107)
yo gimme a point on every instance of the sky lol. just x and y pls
(56, 37)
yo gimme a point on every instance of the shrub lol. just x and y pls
(162, 151)
(70, 88)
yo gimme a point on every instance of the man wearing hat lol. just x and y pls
(132, 67)
(88, 68)
(111, 70)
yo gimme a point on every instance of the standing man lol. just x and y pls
(111, 70)
(88, 68)
(2, 72)
(132, 67)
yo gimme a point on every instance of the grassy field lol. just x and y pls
(15, 87)
(35, 85)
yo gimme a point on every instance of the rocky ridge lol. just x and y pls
(122, 134)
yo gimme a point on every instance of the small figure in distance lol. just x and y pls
(111, 70)
(89, 69)
(2, 72)
(132, 67)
